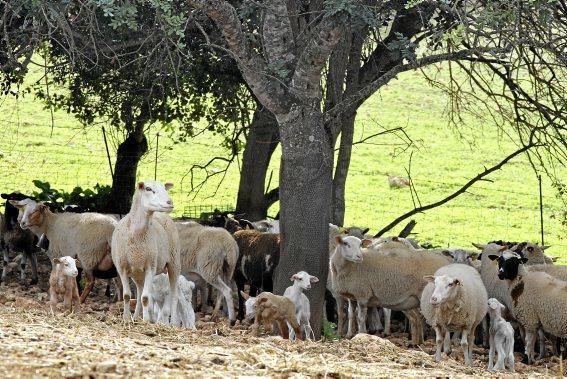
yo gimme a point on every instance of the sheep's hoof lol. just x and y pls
(525, 360)
(34, 281)
(232, 322)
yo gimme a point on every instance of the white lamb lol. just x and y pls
(145, 242)
(501, 337)
(301, 281)
(85, 236)
(454, 300)
(185, 315)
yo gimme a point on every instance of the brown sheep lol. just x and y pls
(62, 282)
(269, 308)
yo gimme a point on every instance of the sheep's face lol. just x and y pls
(250, 308)
(30, 212)
(68, 266)
(350, 247)
(446, 288)
(533, 252)
(495, 308)
(154, 196)
(304, 280)
(508, 264)
(461, 256)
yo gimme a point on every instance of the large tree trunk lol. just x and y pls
(124, 181)
(305, 194)
(263, 139)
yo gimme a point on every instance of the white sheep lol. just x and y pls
(390, 278)
(62, 282)
(144, 243)
(85, 236)
(501, 337)
(211, 253)
(454, 300)
(537, 299)
(301, 281)
(185, 315)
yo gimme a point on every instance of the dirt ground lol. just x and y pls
(95, 343)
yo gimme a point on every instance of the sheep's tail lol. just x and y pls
(229, 263)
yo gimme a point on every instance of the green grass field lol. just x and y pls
(444, 158)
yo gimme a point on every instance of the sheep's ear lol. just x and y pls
(365, 230)
(545, 247)
(16, 204)
(339, 239)
(77, 262)
(244, 295)
(56, 260)
(524, 260)
(294, 277)
(366, 242)
(506, 248)
(479, 246)
(314, 279)
(429, 278)
(168, 186)
(141, 185)
(191, 285)
(262, 300)
(43, 208)
(554, 259)
(493, 257)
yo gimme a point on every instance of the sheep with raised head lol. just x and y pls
(501, 337)
(454, 300)
(390, 278)
(62, 283)
(537, 299)
(85, 236)
(259, 256)
(301, 281)
(17, 240)
(185, 315)
(211, 253)
(144, 243)
(268, 308)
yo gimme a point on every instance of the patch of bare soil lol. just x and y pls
(95, 342)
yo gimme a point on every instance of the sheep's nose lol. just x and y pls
(434, 299)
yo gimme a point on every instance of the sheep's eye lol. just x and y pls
(148, 188)
(450, 284)
(66, 264)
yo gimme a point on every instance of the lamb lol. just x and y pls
(501, 337)
(269, 308)
(18, 240)
(86, 236)
(259, 257)
(537, 299)
(398, 181)
(62, 282)
(212, 254)
(301, 281)
(454, 300)
(144, 243)
(160, 291)
(390, 278)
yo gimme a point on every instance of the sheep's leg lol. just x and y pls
(447, 343)
(387, 321)
(292, 335)
(5, 263)
(500, 349)
(52, 299)
(465, 345)
(438, 342)
(541, 343)
(23, 268)
(76, 300)
(530, 342)
(374, 322)
(340, 316)
(89, 286)
(295, 326)
(227, 293)
(240, 287)
(309, 334)
(485, 332)
(139, 290)
(33, 262)
(491, 352)
(415, 326)
(173, 276)
(361, 316)
(68, 302)
(510, 354)
(119, 289)
(351, 319)
(126, 295)
(146, 295)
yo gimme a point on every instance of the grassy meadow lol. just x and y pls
(444, 158)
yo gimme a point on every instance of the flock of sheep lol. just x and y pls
(170, 261)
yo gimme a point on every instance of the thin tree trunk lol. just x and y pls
(263, 139)
(124, 182)
(305, 189)
(341, 169)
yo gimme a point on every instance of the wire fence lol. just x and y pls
(77, 157)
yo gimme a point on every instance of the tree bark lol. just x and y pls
(124, 181)
(305, 194)
(263, 138)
